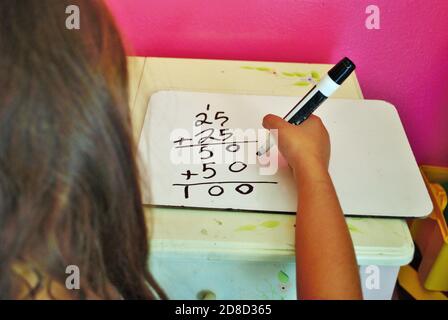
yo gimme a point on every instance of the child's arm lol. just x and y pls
(326, 264)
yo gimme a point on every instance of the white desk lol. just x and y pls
(242, 255)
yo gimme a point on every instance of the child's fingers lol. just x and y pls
(313, 120)
(273, 122)
(313, 117)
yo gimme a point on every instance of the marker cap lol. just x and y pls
(341, 71)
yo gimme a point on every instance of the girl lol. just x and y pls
(69, 191)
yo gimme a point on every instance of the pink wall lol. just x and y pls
(406, 62)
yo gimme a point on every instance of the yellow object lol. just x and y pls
(431, 234)
(439, 195)
(408, 280)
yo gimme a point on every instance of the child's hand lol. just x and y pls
(306, 146)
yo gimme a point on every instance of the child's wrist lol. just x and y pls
(310, 171)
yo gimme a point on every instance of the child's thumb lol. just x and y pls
(273, 122)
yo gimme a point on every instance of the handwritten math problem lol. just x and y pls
(211, 132)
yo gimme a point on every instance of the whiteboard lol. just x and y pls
(198, 150)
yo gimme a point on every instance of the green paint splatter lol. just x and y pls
(257, 68)
(294, 74)
(263, 69)
(204, 232)
(307, 78)
(315, 75)
(282, 277)
(302, 83)
(352, 228)
(248, 227)
(270, 224)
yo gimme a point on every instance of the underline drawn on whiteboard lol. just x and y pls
(222, 182)
(216, 143)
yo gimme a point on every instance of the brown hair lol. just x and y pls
(69, 192)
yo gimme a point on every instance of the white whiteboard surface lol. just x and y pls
(372, 165)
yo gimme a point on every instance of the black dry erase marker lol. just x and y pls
(316, 96)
